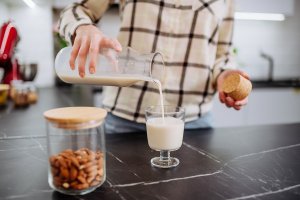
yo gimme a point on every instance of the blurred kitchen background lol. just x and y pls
(266, 42)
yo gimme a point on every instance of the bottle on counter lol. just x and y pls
(76, 149)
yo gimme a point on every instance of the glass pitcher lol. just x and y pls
(113, 69)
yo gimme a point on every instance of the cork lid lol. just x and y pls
(236, 86)
(69, 117)
(231, 83)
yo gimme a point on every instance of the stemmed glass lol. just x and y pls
(165, 133)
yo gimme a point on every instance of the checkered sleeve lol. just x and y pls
(86, 12)
(224, 55)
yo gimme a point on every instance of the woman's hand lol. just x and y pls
(229, 102)
(89, 40)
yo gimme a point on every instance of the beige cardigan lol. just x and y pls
(194, 37)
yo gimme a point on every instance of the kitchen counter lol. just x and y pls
(288, 83)
(258, 162)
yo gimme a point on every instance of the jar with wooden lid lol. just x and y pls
(76, 149)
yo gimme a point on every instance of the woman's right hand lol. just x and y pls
(89, 40)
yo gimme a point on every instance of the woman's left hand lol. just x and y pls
(228, 101)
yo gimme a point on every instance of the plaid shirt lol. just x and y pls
(195, 37)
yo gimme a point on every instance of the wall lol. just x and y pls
(4, 13)
(279, 39)
(36, 45)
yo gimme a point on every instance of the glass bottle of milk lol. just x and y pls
(113, 69)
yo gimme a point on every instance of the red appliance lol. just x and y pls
(8, 40)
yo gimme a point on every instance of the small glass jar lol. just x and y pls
(76, 149)
(21, 95)
(32, 92)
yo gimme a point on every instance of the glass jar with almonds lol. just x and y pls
(76, 149)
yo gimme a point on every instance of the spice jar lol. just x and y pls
(32, 93)
(20, 95)
(14, 85)
(76, 149)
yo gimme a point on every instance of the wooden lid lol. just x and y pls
(75, 115)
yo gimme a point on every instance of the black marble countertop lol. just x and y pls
(286, 83)
(260, 162)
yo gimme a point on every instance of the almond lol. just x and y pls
(81, 186)
(100, 172)
(66, 185)
(54, 171)
(81, 179)
(74, 184)
(64, 172)
(73, 173)
(90, 179)
(74, 161)
(91, 169)
(62, 162)
(93, 173)
(94, 183)
(88, 164)
(98, 178)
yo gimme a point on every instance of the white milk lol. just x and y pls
(165, 134)
(157, 82)
(121, 80)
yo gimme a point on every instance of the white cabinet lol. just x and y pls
(266, 106)
(285, 7)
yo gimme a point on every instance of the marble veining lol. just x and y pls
(167, 180)
(42, 148)
(266, 151)
(202, 152)
(266, 193)
(5, 137)
(115, 190)
(115, 157)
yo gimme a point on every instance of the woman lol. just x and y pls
(195, 37)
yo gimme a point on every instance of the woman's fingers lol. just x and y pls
(88, 42)
(242, 102)
(222, 97)
(74, 53)
(110, 43)
(237, 107)
(94, 52)
(82, 55)
(244, 74)
(229, 101)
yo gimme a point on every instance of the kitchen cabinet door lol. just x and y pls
(266, 6)
(266, 106)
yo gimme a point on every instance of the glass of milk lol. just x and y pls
(165, 127)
